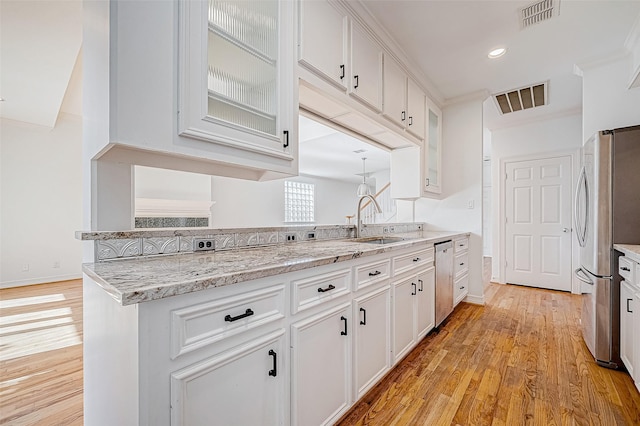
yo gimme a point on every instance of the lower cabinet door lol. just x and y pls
(426, 301)
(627, 306)
(372, 348)
(320, 360)
(241, 386)
(404, 293)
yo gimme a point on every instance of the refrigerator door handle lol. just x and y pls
(581, 228)
(582, 276)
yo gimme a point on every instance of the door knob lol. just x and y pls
(566, 229)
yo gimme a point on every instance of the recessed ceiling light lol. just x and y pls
(496, 53)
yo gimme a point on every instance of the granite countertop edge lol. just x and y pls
(630, 250)
(144, 279)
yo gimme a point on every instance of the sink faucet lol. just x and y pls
(358, 221)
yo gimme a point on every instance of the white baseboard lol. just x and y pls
(42, 280)
(476, 300)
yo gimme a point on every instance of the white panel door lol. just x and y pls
(394, 99)
(538, 223)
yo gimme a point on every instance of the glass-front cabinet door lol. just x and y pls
(432, 173)
(236, 74)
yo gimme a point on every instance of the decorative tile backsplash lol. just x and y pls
(124, 244)
(171, 222)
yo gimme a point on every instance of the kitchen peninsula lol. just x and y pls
(301, 329)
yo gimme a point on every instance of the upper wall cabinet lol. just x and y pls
(366, 68)
(236, 84)
(323, 30)
(416, 101)
(432, 158)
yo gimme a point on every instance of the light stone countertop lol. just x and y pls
(136, 280)
(629, 250)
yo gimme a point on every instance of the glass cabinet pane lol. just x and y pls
(242, 65)
(433, 147)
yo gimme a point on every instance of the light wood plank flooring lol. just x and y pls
(41, 354)
(520, 360)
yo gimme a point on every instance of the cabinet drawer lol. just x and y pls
(201, 325)
(372, 273)
(318, 289)
(460, 288)
(460, 264)
(626, 268)
(412, 261)
(461, 244)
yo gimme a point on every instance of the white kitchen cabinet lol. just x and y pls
(404, 293)
(366, 68)
(405, 173)
(394, 101)
(425, 302)
(236, 84)
(320, 366)
(322, 42)
(416, 104)
(432, 153)
(242, 386)
(460, 289)
(372, 345)
(627, 329)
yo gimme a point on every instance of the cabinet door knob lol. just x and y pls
(247, 313)
(322, 290)
(274, 371)
(341, 72)
(364, 316)
(357, 83)
(344, 333)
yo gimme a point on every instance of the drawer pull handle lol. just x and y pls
(629, 310)
(417, 259)
(247, 313)
(364, 316)
(462, 288)
(624, 268)
(322, 290)
(344, 333)
(462, 264)
(274, 372)
(421, 283)
(414, 289)
(373, 274)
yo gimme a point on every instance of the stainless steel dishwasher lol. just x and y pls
(444, 280)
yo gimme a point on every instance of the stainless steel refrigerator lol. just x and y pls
(607, 212)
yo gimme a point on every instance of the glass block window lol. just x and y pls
(299, 204)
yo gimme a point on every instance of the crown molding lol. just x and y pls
(478, 95)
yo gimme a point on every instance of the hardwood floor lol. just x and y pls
(41, 354)
(519, 360)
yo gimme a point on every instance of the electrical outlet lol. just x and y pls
(289, 237)
(311, 235)
(203, 244)
(25, 267)
(385, 230)
(470, 204)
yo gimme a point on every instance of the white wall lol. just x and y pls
(462, 183)
(607, 103)
(240, 203)
(171, 185)
(556, 135)
(41, 180)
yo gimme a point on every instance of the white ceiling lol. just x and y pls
(450, 40)
(327, 153)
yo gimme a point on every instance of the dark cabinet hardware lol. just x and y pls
(357, 82)
(403, 115)
(344, 333)
(286, 138)
(373, 274)
(462, 288)
(427, 182)
(415, 286)
(421, 283)
(364, 316)
(247, 313)
(274, 372)
(410, 120)
(341, 72)
(416, 259)
(624, 268)
(462, 264)
(629, 310)
(322, 290)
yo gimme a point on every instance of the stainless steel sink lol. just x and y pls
(379, 240)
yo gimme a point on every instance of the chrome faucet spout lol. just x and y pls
(358, 220)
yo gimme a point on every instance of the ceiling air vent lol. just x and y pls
(522, 98)
(538, 12)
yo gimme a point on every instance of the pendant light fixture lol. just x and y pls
(363, 188)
